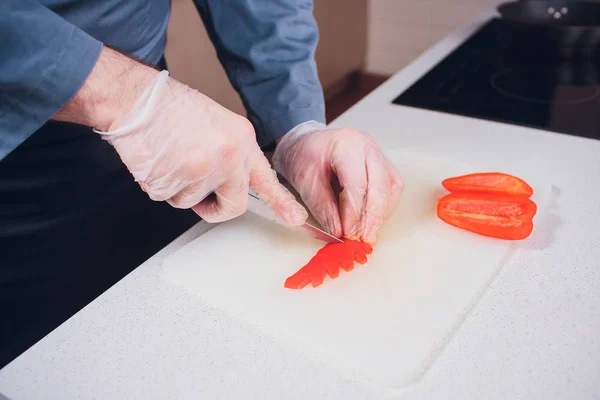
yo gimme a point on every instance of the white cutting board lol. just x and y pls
(384, 322)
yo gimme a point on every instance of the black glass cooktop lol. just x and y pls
(488, 79)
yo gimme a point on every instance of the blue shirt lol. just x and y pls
(49, 47)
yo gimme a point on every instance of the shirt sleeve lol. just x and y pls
(267, 49)
(44, 60)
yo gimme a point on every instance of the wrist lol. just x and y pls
(285, 142)
(300, 130)
(294, 134)
(109, 92)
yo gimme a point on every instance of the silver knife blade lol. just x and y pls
(257, 206)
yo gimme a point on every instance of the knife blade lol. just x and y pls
(258, 207)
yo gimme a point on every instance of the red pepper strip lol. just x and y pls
(332, 268)
(329, 260)
(317, 275)
(494, 215)
(488, 182)
(299, 280)
(360, 258)
(366, 247)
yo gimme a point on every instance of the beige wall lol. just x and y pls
(192, 59)
(400, 30)
(381, 36)
(343, 39)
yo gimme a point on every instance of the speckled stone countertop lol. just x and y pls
(534, 334)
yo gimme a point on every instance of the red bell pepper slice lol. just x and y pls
(299, 280)
(494, 215)
(332, 268)
(328, 261)
(488, 182)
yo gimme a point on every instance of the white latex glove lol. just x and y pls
(181, 146)
(310, 156)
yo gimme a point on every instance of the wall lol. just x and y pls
(400, 30)
(343, 39)
(192, 58)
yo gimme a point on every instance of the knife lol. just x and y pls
(258, 207)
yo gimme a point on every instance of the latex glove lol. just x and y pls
(181, 146)
(310, 156)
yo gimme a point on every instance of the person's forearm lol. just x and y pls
(111, 89)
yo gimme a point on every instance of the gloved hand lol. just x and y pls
(181, 146)
(310, 157)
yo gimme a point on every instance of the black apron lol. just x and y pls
(72, 223)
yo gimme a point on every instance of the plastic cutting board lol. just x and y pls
(384, 322)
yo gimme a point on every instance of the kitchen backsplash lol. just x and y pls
(400, 30)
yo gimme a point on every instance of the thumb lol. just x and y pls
(263, 180)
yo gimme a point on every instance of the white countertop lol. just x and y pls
(534, 334)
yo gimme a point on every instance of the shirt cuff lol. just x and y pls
(306, 127)
(276, 127)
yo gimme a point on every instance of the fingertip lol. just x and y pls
(371, 238)
(334, 226)
(327, 215)
(370, 230)
(297, 215)
(283, 204)
(355, 232)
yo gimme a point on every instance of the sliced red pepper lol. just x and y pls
(360, 258)
(488, 182)
(332, 268)
(317, 276)
(494, 215)
(299, 280)
(328, 261)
